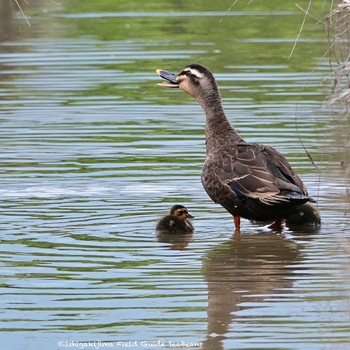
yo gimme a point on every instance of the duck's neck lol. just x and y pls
(219, 131)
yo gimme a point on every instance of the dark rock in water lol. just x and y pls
(304, 215)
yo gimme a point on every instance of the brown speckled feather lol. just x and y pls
(254, 171)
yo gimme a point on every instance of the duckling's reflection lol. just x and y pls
(176, 242)
(248, 265)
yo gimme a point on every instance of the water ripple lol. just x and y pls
(93, 154)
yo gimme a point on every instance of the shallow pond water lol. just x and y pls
(93, 153)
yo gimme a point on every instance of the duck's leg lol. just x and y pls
(237, 233)
(277, 225)
(237, 221)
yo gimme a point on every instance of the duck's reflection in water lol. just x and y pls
(251, 265)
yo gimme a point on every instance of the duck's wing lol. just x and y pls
(260, 172)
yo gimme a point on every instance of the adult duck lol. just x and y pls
(176, 222)
(251, 181)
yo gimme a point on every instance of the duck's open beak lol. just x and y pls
(170, 77)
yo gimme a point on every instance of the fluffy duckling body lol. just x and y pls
(252, 181)
(176, 222)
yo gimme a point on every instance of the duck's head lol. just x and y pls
(194, 79)
(181, 212)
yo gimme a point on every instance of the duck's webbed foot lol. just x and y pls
(277, 225)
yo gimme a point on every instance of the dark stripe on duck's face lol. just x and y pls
(192, 72)
(183, 213)
(189, 76)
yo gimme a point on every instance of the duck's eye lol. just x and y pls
(186, 72)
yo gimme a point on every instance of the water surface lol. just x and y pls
(93, 153)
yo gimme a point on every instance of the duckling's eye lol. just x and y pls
(182, 212)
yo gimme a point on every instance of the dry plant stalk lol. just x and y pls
(339, 53)
(17, 4)
(338, 32)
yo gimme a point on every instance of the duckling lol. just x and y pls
(176, 222)
(250, 181)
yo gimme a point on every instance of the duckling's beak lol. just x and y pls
(170, 77)
(189, 216)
